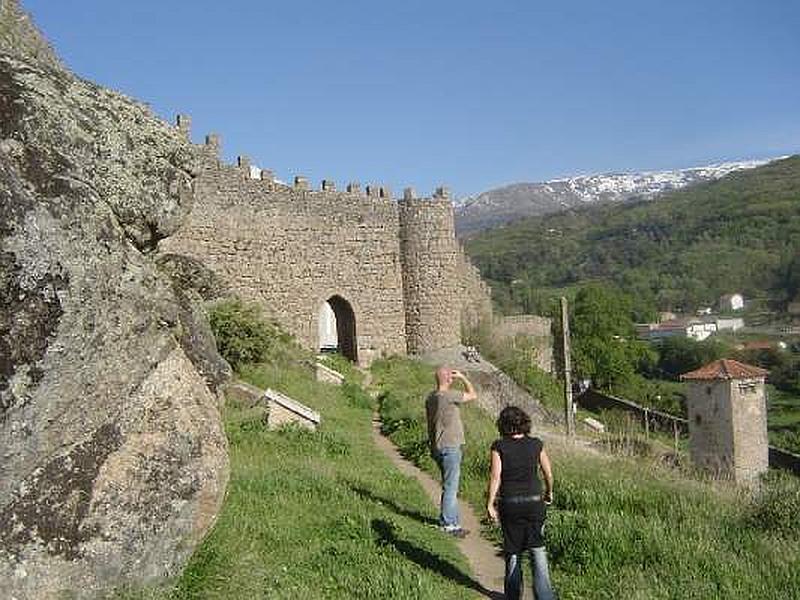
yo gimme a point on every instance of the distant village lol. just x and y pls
(705, 323)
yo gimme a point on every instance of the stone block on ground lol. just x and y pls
(283, 410)
(594, 425)
(325, 374)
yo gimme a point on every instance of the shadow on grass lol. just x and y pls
(387, 536)
(411, 514)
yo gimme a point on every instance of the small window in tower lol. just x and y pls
(747, 386)
(708, 390)
(697, 419)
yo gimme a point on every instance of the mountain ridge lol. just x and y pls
(506, 204)
(739, 233)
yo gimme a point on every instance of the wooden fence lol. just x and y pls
(652, 420)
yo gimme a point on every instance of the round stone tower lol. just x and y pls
(429, 255)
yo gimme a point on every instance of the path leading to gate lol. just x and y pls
(484, 560)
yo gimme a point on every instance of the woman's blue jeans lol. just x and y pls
(449, 461)
(541, 575)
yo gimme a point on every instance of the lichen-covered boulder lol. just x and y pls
(196, 287)
(113, 462)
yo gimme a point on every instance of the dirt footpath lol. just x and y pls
(484, 559)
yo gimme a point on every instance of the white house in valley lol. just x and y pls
(697, 329)
(731, 302)
(729, 323)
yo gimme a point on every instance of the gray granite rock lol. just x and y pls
(113, 462)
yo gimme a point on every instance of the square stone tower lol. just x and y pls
(728, 420)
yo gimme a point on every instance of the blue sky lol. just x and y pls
(467, 94)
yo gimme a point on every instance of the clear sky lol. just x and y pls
(470, 94)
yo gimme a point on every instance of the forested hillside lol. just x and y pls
(741, 233)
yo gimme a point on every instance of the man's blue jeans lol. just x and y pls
(541, 575)
(449, 461)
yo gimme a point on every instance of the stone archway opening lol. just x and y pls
(337, 328)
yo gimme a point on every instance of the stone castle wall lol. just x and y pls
(536, 329)
(290, 248)
(474, 291)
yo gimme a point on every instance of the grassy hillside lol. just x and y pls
(316, 515)
(741, 233)
(325, 515)
(626, 529)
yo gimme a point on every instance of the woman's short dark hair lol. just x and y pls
(513, 420)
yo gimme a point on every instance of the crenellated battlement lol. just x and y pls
(292, 246)
(265, 180)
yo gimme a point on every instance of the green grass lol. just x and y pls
(784, 420)
(318, 515)
(342, 365)
(622, 528)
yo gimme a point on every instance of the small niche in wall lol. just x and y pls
(748, 386)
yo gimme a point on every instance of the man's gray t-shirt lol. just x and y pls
(445, 429)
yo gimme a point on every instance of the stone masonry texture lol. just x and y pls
(533, 328)
(290, 249)
(728, 427)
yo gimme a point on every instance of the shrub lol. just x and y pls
(242, 333)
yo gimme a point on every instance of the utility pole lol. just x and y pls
(569, 415)
(675, 437)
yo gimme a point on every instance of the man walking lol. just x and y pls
(446, 438)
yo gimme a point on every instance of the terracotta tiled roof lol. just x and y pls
(757, 345)
(726, 369)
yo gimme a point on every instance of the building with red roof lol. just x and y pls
(727, 413)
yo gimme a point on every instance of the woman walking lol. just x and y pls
(517, 500)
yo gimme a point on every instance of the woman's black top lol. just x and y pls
(522, 511)
(519, 475)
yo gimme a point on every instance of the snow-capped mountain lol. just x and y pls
(509, 203)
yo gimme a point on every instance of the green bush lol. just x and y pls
(787, 439)
(678, 355)
(666, 396)
(355, 395)
(243, 334)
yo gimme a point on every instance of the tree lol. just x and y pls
(678, 355)
(604, 344)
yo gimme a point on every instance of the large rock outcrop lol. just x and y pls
(113, 462)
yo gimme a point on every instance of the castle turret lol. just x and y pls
(429, 254)
(728, 420)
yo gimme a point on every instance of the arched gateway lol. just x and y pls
(337, 328)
